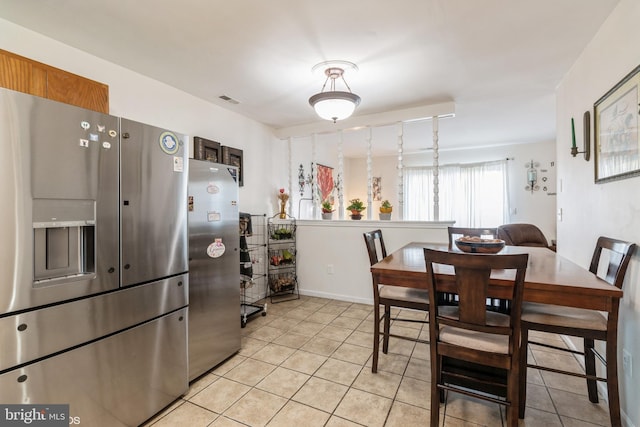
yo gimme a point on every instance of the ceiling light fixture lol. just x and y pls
(334, 104)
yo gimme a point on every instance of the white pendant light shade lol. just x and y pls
(334, 105)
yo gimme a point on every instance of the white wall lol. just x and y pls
(538, 208)
(303, 152)
(332, 259)
(149, 101)
(610, 209)
(383, 167)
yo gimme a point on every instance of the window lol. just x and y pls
(474, 195)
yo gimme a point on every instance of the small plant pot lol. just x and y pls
(327, 215)
(356, 216)
(385, 216)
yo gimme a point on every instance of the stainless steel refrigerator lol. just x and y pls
(214, 265)
(93, 262)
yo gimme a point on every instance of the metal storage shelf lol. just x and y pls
(282, 230)
(281, 257)
(282, 278)
(253, 268)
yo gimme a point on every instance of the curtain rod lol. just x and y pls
(461, 164)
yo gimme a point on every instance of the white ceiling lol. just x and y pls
(499, 61)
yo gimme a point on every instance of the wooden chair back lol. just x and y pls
(455, 232)
(619, 253)
(474, 351)
(472, 273)
(375, 246)
(612, 268)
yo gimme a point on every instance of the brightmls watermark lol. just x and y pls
(34, 415)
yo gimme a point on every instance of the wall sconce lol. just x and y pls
(532, 176)
(302, 181)
(337, 184)
(586, 121)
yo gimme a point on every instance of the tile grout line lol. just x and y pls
(312, 306)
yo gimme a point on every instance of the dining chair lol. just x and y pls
(455, 232)
(474, 351)
(389, 296)
(589, 325)
(491, 233)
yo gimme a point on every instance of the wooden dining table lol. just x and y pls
(550, 279)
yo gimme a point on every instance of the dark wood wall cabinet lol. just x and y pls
(35, 78)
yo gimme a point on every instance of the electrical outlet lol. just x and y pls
(329, 268)
(627, 363)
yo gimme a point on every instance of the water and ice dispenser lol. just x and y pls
(64, 240)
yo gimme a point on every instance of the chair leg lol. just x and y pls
(612, 380)
(513, 391)
(590, 368)
(522, 382)
(437, 394)
(376, 338)
(387, 324)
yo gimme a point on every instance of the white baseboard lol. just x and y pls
(338, 297)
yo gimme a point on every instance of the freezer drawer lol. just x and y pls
(121, 380)
(35, 334)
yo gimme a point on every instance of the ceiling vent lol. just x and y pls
(228, 99)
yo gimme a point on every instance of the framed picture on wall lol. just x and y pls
(325, 182)
(205, 149)
(617, 141)
(233, 156)
(376, 184)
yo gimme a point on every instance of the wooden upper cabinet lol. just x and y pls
(77, 90)
(28, 76)
(20, 74)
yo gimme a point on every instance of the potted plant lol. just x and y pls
(356, 206)
(385, 210)
(327, 210)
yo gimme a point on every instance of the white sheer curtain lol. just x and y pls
(418, 194)
(474, 195)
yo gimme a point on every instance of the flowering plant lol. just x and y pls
(282, 196)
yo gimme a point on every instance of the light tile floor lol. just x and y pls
(308, 363)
